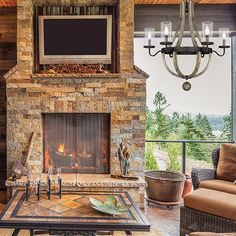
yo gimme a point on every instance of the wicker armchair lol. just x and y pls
(192, 220)
(199, 175)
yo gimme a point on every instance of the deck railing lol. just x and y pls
(184, 142)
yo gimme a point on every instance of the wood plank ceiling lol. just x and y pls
(7, 3)
(10, 3)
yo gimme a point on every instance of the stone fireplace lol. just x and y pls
(34, 98)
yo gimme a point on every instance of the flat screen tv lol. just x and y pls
(75, 39)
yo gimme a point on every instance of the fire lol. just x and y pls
(61, 148)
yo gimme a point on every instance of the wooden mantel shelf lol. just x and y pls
(74, 76)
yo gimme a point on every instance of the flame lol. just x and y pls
(61, 148)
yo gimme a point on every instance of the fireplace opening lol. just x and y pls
(77, 142)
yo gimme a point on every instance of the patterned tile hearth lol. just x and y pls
(68, 206)
(8, 232)
(72, 207)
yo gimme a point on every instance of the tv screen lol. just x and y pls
(75, 39)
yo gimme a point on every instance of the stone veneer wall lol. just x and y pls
(28, 95)
(7, 61)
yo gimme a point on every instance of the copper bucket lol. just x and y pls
(164, 186)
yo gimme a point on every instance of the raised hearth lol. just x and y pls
(93, 182)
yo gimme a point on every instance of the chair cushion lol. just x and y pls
(213, 202)
(220, 185)
(226, 169)
(211, 234)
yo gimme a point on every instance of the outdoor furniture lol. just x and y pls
(212, 206)
(71, 215)
(199, 175)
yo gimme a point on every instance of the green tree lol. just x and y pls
(174, 122)
(161, 120)
(227, 128)
(190, 131)
(174, 151)
(150, 160)
(203, 124)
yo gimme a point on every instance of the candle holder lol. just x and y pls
(56, 184)
(33, 187)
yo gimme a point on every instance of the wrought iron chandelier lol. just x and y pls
(172, 46)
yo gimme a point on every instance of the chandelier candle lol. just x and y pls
(149, 34)
(207, 31)
(149, 38)
(224, 39)
(224, 34)
(166, 34)
(173, 46)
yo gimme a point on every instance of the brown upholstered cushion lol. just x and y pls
(213, 202)
(226, 169)
(211, 234)
(220, 185)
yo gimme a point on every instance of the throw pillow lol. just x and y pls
(226, 169)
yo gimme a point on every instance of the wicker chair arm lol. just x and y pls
(199, 175)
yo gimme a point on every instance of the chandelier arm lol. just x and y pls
(167, 67)
(194, 25)
(176, 66)
(152, 55)
(192, 75)
(182, 24)
(191, 25)
(176, 32)
(206, 67)
(197, 66)
(178, 27)
(218, 54)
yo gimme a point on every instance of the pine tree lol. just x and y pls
(203, 124)
(161, 121)
(227, 129)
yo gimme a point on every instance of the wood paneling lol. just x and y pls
(178, 1)
(7, 61)
(152, 15)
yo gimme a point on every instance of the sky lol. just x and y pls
(210, 93)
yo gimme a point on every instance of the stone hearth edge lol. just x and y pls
(91, 182)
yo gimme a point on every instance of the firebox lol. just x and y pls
(77, 142)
